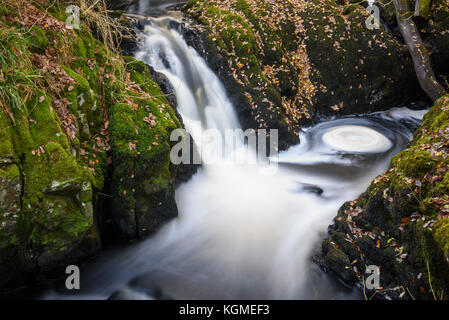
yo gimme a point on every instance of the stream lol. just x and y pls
(242, 233)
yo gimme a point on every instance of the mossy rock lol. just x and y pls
(339, 263)
(6, 145)
(415, 164)
(47, 189)
(37, 40)
(10, 193)
(142, 180)
(403, 216)
(359, 70)
(44, 208)
(442, 237)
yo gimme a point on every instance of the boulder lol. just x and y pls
(143, 176)
(46, 203)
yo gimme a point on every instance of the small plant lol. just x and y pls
(17, 77)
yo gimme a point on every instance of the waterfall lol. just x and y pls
(202, 100)
(153, 7)
(242, 234)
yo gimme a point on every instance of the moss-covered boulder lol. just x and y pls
(71, 113)
(143, 176)
(46, 204)
(294, 61)
(401, 222)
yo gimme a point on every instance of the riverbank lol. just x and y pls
(82, 128)
(401, 222)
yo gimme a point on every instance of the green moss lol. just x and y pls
(47, 126)
(53, 166)
(140, 74)
(440, 118)
(37, 39)
(56, 226)
(408, 205)
(149, 143)
(82, 82)
(53, 163)
(442, 188)
(141, 147)
(90, 47)
(6, 147)
(9, 172)
(442, 236)
(85, 104)
(80, 49)
(415, 163)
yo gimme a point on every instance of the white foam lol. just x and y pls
(354, 138)
(406, 113)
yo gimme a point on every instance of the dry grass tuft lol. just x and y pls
(95, 14)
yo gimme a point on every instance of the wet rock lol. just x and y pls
(185, 171)
(127, 294)
(399, 223)
(165, 86)
(147, 284)
(310, 188)
(143, 175)
(46, 210)
(339, 263)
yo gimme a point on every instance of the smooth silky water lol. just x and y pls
(242, 233)
(152, 8)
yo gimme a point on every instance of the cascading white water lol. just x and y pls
(202, 100)
(242, 234)
(153, 7)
